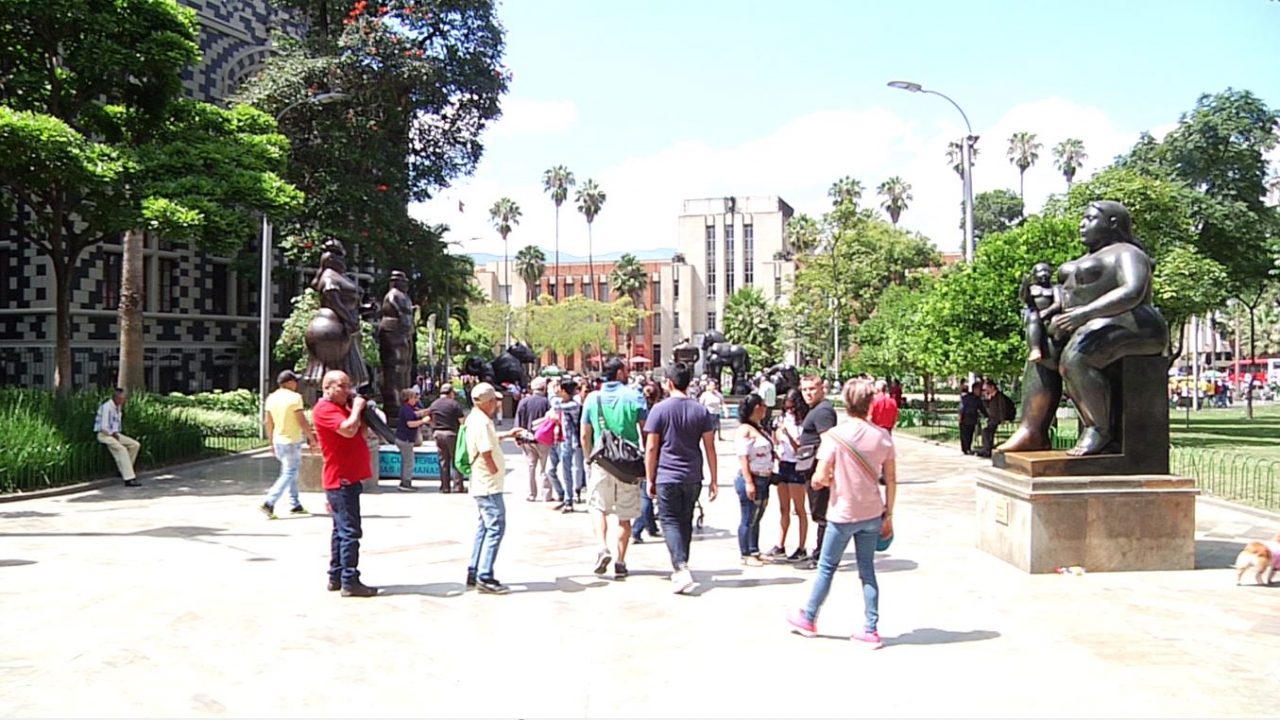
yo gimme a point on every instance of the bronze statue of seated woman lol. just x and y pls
(1106, 315)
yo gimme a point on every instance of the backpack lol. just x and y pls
(461, 457)
(619, 456)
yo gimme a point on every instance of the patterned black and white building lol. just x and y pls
(201, 314)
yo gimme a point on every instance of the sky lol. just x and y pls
(662, 100)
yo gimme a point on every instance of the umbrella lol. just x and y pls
(1212, 375)
(639, 360)
(551, 371)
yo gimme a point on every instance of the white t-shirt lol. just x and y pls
(712, 401)
(788, 428)
(757, 450)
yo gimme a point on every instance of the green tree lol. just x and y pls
(68, 71)
(590, 201)
(897, 194)
(994, 211)
(1023, 152)
(624, 315)
(557, 182)
(889, 342)
(419, 81)
(202, 176)
(750, 320)
(1068, 156)
(803, 234)
(955, 157)
(531, 263)
(845, 190)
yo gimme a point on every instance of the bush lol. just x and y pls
(243, 402)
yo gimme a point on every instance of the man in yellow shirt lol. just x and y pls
(286, 424)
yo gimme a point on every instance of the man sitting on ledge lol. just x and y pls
(123, 448)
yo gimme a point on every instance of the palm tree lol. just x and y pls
(1024, 151)
(531, 263)
(557, 181)
(1068, 157)
(590, 200)
(846, 189)
(954, 157)
(628, 279)
(505, 214)
(896, 193)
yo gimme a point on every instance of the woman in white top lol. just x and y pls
(791, 490)
(755, 460)
(713, 401)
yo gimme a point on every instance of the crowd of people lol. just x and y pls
(838, 474)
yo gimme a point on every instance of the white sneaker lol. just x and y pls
(682, 581)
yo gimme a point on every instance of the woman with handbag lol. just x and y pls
(755, 471)
(852, 458)
(791, 491)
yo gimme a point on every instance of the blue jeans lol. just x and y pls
(344, 545)
(573, 472)
(553, 462)
(648, 519)
(676, 502)
(493, 525)
(864, 534)
(752, 512)
(290, 456)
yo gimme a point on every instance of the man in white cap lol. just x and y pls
(488, 471)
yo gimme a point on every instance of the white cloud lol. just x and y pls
(797, 161)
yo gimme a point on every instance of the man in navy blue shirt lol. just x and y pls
(678, 431)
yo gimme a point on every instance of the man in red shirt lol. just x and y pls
(884, 410)
(346, 463)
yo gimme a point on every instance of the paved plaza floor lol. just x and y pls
(181, 599)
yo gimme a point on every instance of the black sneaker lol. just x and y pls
(267, 510)
(334, 585)
(620, 571)
(777, 552)
(798, 556)
(602, 562)
(298, 510)
(471, 579)
(407, 487)
(637, 539)
(359, 589)
(491, 586)
(810, 564)
(132, 483)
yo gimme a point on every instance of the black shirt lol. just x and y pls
(531, 408)
(446, 414)
(821, 418)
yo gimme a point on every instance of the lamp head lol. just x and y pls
(325, 98)
(906, 85)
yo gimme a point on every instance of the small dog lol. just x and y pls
(1261, 557)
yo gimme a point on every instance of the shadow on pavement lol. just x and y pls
(172, 531)
(938, 636)
(442, 590)
(561, 584)
(16, 563)
(1217, 554)
(27, 514)
(709, 580)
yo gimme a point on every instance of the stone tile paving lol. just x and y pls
(182, 600)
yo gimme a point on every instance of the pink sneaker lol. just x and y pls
(870, 640)
(801, 624)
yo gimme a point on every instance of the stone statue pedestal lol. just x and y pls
(1104, 523)
(1115, 511)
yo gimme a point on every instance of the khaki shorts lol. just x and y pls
(610, 495)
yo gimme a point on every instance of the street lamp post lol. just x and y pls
(966, 161)
(264, 289)
(835, 312)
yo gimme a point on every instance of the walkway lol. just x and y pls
(181, 600)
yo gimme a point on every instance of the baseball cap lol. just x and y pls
(446, 389)
(483, 391)
(539, 383)
(286, 376)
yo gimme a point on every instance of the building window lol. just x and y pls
(710, 274)
(656, 296)
(111, 281)
(168, 271)
(656, 358)
(244, 295)
(639, 328)
(589, 289)
(219, 291)
(568, 289)
(675, 288)
(748, 255)
(657, 320)
(777, 287)
(728, 259)
(675, 322)
(8, 295)
(604, 292)
(711, 320)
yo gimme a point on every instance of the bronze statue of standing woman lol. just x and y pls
(1106, 315)
(395, 339)
(333, 335)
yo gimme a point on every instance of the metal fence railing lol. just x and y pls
(1246, 479)
(36, 468)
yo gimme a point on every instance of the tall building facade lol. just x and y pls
(200, 311)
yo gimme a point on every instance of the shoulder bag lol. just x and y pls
(618, 456)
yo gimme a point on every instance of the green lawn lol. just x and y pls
(1227, 429)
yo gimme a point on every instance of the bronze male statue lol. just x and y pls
(395, 339)
(1106, 315)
